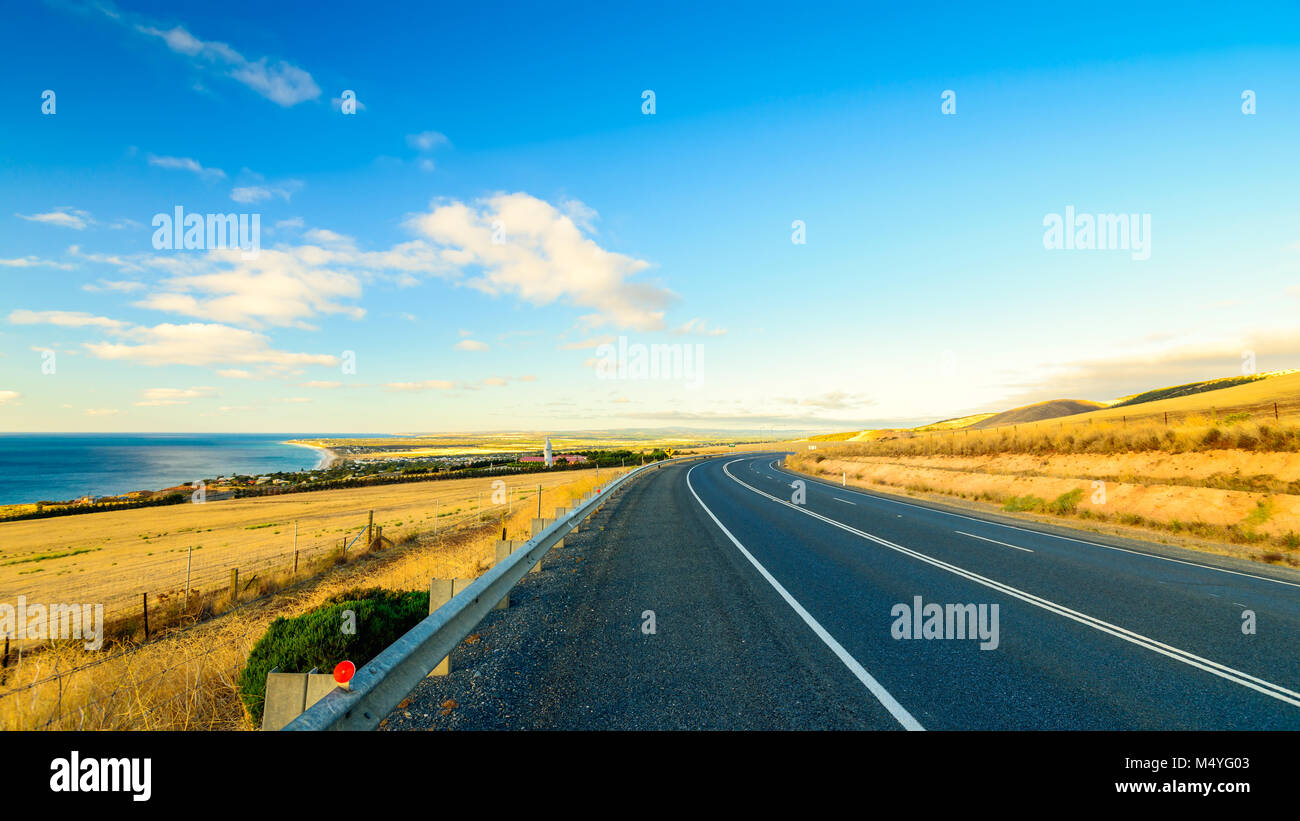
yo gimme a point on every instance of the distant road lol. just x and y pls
(771, 614)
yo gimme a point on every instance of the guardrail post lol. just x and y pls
(441, 592)
(289, 695)
(538, 525)
(503, 550)
(517, 544)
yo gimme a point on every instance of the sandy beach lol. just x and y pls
(327, 457)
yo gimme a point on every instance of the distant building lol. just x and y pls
(547, 453)
(570, 458)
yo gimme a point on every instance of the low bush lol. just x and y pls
(317, 639)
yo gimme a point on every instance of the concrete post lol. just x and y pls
(441, 591)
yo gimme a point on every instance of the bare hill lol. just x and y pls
(1051, 409)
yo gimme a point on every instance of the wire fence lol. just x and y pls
(161, 586)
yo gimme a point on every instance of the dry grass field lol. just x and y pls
(1220, 472)
(112, 558)
(184, 679)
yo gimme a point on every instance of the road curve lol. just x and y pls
(773, 611)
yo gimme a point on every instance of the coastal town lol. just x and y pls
(341, 466)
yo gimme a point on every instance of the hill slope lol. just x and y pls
(1051, 409)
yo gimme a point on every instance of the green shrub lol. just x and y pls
(1017, 504)
(316, 639)
(1066, 503)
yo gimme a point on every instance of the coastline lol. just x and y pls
(328, 458)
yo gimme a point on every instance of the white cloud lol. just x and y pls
(106, 259)
(200, 345)
(258, 193)
(545, 257)
(125, 286)
(495, 381)
(32, 262)
(472, 345)
(585, 344)
(426, 385)
(63, 217)
(698, 327)
(278, 287)
(8, 396)
(102, 411)
(427, 140)
(64, 319)
(327, 237)
(322, 385)
(154, 397)
(187, 164)
(280, 82)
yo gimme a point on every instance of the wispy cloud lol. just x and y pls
(33, 262)
(124, 286)
(426, 385)
(697, 327)
(259, 193)
(155, 397)
(427, 140)
(279, 81)
(64, 319)
(187, 164)
(204, 345)
(63, 217)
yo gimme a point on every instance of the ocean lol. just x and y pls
(59, 466)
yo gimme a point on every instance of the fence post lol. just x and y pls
(189, 561)
(1166, 418)
(539, 501)
(370, 529)
(1275, 416)
(234, 584)
(144, 598)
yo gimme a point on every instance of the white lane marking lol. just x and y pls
(882, 695)
(845, 501)
(995, 541)
(1223, 671)
(1063, 538)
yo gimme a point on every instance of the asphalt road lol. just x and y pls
(776, 613)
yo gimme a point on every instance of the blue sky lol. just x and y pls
(923, 289)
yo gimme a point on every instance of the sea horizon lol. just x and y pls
(68, 465)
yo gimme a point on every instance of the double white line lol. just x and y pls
(1268, 688)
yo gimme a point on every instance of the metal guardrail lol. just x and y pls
(380, 685)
